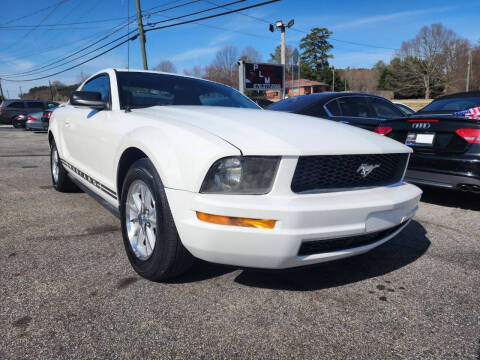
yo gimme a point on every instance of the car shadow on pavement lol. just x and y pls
(202, 270)
(451, 198)
(404, 249)
(394, 254)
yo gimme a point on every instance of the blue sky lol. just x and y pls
(381, 24)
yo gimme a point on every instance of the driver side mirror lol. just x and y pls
(89, 99)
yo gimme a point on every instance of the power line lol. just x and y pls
(55, 45)
(33, 29)
(49, 66)
(175, 7)
(191, 14)
(240, 13)
(303, 31)
(25, 27)
(60, 62)
(50, 49)
(134, 37)
(349, 42)
(54, 28)
(163, 4)
(213, 16)
(33, 13)
(212, 26)
(36, 70)
(77, 65)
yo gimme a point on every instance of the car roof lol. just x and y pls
(335, 94)
(103, 71)
(324, 97)
(460, 95)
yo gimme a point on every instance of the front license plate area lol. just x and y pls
(423, 139)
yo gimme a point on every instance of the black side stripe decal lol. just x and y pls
(91, 180)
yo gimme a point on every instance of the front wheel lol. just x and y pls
(60, 179)
(150, 237)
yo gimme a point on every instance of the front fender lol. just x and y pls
(181, 155)
(54, 132)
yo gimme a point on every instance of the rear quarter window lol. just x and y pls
(333, 108)
(385, 109)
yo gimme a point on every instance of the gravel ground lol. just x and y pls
(68, 290)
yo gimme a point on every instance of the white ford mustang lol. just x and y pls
(193, 167)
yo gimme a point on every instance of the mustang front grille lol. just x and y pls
(332, 172)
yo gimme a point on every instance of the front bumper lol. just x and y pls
(300, 218)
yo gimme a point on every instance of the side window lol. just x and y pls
(355, 106)
(99, 84)
(34, 105)
(385, 110)
(16, 105)
(333, 108)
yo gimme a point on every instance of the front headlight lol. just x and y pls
(252, 175)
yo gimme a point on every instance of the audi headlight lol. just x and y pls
(252, 175)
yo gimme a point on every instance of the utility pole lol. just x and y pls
(241, 76)
(333, 79)
(1, 90)
(469, 69)
(281, 26)
(142, 35)
(51, 91)
(20, 91)
(282, 29)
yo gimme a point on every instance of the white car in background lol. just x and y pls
(195, 168)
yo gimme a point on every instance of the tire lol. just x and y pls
(60, 179)
(146, 218)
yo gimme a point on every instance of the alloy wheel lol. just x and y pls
(55, 165)
(141, 219)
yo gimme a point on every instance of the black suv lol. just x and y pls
(9, 109)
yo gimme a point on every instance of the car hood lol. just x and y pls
(263, 132)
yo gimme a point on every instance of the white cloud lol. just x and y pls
(16, 65)
(361, 59)
(194, 53)
(386, 17)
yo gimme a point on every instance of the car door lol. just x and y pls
(87, 134)
(353, 110)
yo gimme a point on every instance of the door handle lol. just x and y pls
(67, 123)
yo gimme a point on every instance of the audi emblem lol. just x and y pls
(421, 126)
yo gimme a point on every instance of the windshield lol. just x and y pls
(454, 104)
(137, 89)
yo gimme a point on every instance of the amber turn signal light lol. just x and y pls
(236, 221)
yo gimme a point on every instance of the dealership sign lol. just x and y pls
(261, 76)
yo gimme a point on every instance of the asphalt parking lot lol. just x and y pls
(68, 291)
